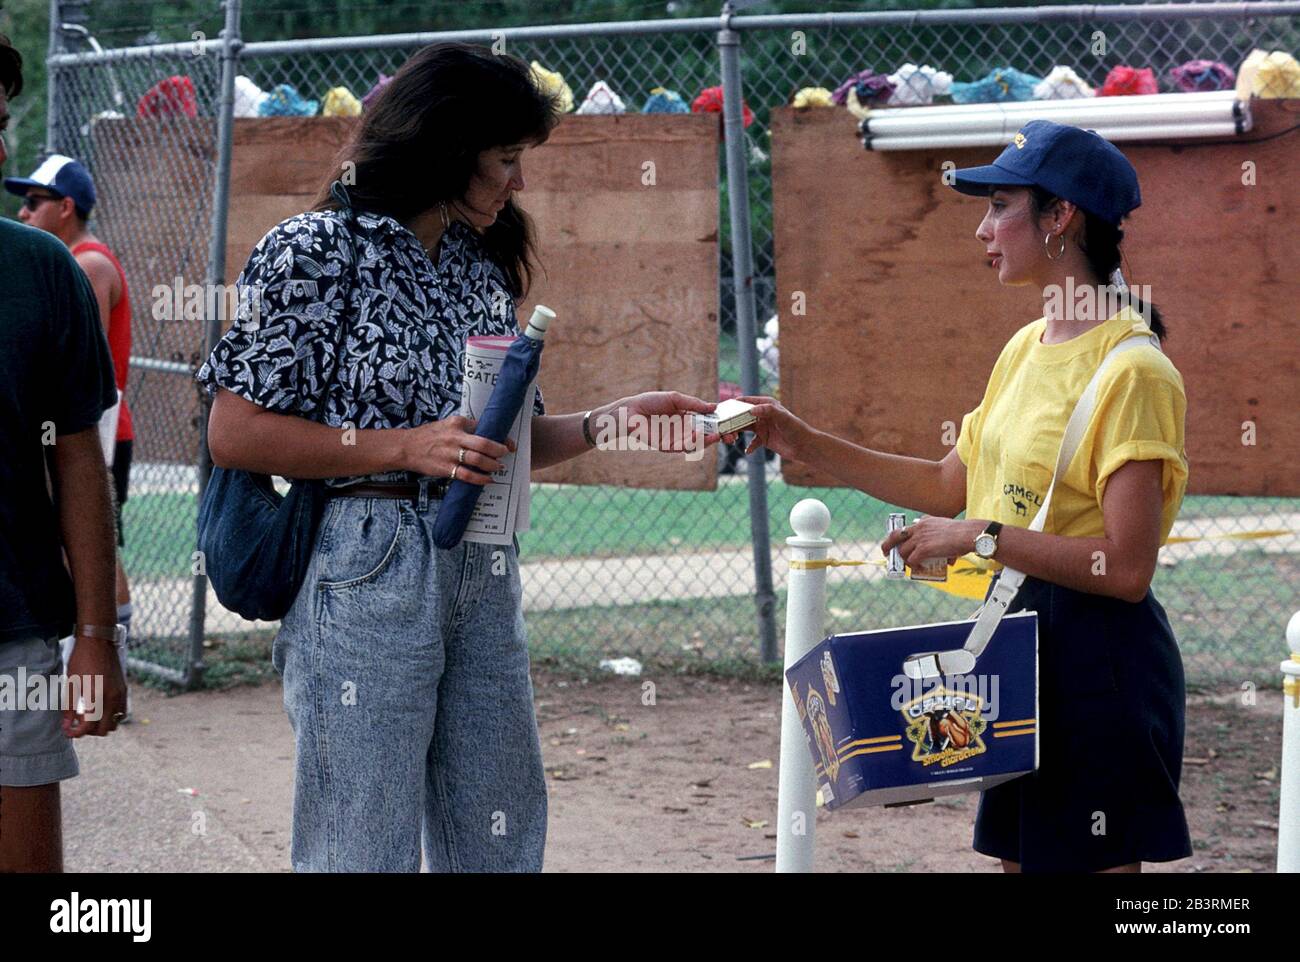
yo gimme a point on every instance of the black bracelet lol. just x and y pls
(586, 430)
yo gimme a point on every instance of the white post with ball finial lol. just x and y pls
(1288, 816)
(805, 619)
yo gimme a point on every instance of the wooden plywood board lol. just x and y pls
(277, 166)
(631, 259)
(904, 319)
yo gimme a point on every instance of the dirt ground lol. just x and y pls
(686, 784)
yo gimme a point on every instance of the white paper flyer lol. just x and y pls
(502, 507)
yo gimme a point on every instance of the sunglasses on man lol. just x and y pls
(32, 201)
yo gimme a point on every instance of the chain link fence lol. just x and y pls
(688, 554)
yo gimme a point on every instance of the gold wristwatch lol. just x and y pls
(986, 542)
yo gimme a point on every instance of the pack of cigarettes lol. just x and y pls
(728, 417)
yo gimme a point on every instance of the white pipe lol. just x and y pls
(1001, 139)
(1066, 105)
(804, 623)
(1086, 115)
(1288, 815)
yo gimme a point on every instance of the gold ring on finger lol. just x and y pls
(453, 472)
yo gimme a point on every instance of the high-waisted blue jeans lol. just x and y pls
(406, 680)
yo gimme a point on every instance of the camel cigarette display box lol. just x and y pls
(878, 737)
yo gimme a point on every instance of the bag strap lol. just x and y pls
(1010, 580)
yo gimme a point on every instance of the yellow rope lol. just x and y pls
(965, 580)
(1235, 536)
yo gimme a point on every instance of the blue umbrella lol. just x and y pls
(517, 372)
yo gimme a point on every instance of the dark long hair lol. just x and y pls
(419, 142)
(1100, 244)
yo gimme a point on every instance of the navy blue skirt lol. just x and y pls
(1111, 720)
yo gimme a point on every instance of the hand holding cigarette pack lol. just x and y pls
(728, 417)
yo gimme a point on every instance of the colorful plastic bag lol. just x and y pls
(870, 88)
(1200, 75)
(665, 101)
(169, 98)
(552, 84)
(284, 101)
(248, 96)
(918, 86)
(1062, 83)
(1268, 75)
(709, 101)
(340, 102)
(1003, 85)
(812, 97)
(601, 99)
(1125, 81)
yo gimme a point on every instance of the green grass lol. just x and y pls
(576, 522)
(1228, 612)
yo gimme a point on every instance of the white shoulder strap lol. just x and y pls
(1008, 584)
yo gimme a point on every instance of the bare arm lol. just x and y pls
(933, 487)
(85, 510)
(556, 438)
(86, 527)
(244, 435)
(103, 278)
(1118, 565)
(559, 437)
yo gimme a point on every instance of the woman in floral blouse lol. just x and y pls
(405, 667)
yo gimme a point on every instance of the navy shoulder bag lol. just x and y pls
(256, 544)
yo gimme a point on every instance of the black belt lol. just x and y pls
(404, 491)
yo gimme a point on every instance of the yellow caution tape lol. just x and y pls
(1235, 536)
(966, 580)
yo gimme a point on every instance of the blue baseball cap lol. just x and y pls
(1075, 164)
(59, 175)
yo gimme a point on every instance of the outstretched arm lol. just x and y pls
(935, 487)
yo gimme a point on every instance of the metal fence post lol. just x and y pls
(52, 79)
(216, 273)
(73, 13)
(742, 275)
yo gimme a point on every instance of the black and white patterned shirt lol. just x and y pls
(379, 344)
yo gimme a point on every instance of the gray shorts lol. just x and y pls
(33, 748)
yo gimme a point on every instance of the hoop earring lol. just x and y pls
(1060, 253)
(442, 210)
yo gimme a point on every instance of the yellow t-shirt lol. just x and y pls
(1009, 443)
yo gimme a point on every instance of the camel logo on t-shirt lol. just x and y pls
(1021, 497)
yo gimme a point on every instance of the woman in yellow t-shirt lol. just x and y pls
(1105, 796)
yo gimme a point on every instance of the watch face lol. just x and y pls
(985, 544)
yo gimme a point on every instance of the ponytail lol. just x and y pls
(1100, 245)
